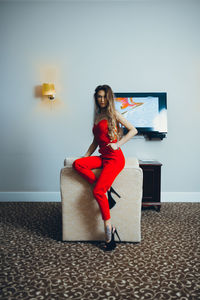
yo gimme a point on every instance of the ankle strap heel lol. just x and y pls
(111, 245)
(117, 234)
(114, 192)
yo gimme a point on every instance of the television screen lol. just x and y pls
(146, 111)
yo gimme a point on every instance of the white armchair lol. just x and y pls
(81, 217)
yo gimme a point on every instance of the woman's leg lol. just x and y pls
(111, 168)
(84, 165)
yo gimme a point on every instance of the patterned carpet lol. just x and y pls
(36, 264)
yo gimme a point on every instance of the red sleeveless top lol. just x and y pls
(100, 132)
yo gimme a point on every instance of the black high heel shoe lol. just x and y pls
(111, 245)
(111, 201)
(114, 192)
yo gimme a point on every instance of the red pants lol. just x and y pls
(111, 163)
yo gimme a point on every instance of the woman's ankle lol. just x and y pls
(108, 229)
(108, 234)
(107, 223)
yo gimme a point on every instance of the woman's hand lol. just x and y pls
(113, 146)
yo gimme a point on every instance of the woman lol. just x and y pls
(106, 132)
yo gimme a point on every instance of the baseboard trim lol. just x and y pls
(55, 197)
(180, 197)
(30, 197)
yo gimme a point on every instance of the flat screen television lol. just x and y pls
(146, 111)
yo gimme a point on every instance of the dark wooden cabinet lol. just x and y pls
(151, 183)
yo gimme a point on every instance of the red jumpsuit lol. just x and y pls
(111, 161)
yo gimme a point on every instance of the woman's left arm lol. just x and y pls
(132, 131)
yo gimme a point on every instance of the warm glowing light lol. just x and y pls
(48, 89)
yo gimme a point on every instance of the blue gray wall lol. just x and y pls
(132, 46)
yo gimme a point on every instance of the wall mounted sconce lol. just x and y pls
(48, 89)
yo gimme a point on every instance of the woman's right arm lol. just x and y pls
(92, 148)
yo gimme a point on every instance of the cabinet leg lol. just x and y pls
(157, 207)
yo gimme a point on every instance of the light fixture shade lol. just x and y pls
(48, 89)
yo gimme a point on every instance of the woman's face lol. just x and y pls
(101, 99)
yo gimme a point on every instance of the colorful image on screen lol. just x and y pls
(141, 112)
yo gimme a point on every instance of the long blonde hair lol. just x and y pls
(114, 130)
